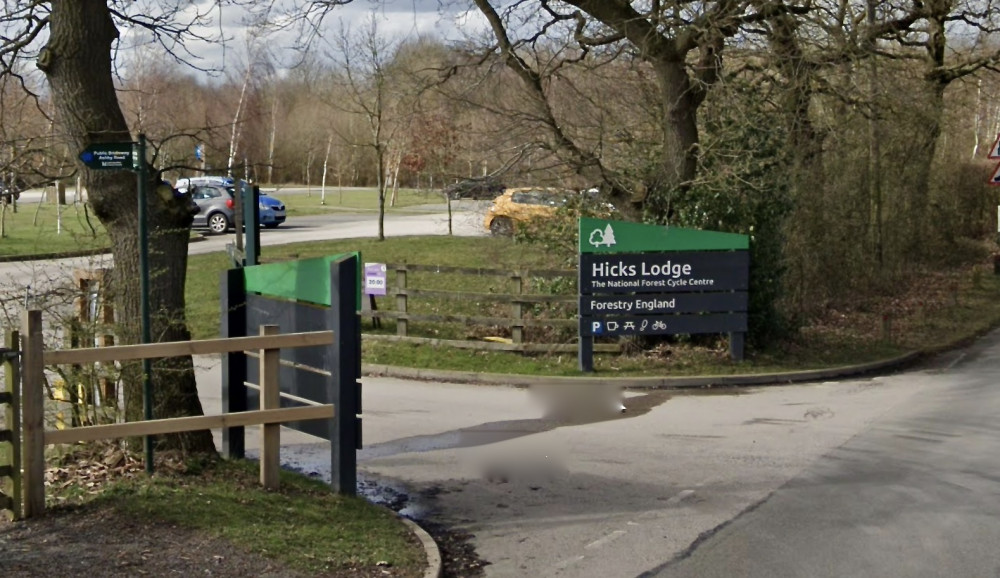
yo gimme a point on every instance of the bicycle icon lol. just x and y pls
(659, 325)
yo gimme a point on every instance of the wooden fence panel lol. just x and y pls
(402, 295)
(34, 357)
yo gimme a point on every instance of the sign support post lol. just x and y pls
(585, 350)
(139, 164)
(132, 156)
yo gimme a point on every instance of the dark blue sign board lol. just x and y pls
(699, 287)
(663, 272)
(321, 374)
(111, 156)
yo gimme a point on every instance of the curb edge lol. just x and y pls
(686, 382)
(431, 550)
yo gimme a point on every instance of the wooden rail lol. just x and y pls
(401, 294)
(270, 416)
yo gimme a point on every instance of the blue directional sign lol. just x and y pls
(111, 156)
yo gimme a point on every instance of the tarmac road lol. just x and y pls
(889, 476)
(16, 277)
(917, 493)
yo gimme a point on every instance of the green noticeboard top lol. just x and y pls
(304, 280)
(603, 236)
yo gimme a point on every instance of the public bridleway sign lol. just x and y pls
(111, 156)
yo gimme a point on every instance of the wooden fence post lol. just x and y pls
(400, 302)
(270, 398)
(12, 421)
(517, 331)
(33, 413)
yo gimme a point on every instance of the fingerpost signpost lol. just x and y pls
(638, 279)
(131, 156)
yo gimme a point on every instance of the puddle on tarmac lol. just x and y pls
(392, 495)
(313, 459)
(499, 431)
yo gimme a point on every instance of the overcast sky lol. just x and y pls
(397, 19)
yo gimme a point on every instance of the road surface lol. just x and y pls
(20, 279)
(889, 476)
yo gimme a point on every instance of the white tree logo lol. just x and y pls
(605, 237)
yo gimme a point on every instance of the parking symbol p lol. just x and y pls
(595, 327)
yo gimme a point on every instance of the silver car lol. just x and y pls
(216, 204)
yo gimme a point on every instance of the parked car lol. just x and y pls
(477, 188)
(215, 199)
(186, 183)
(523, 204)
(9, 195)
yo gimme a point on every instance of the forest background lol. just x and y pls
(848, 138)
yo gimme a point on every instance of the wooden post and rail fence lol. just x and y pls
(27, 470)
(402, 293)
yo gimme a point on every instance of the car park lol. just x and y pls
(215, 197)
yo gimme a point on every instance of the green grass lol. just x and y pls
(339, 200)
(204, 270)
(955, 306)
(37, 229)
(303, 524)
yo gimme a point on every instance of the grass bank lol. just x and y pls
(941, 307)
(302, 525)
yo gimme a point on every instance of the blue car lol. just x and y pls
(272, 211)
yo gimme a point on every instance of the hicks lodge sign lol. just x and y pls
(638, 279)
(659, 272)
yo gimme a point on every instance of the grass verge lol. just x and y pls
(302, 525)
(941, 307)
(45, 228)
(338, 199)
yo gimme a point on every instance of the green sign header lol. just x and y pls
(304, 280)
(603, 236)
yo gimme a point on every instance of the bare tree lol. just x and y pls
(365, 76)
(681, 42)
(76, 59)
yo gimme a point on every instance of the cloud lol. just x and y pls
(225, 30)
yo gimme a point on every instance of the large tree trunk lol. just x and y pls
(679, 158)
(77, 63)
(926, 132)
